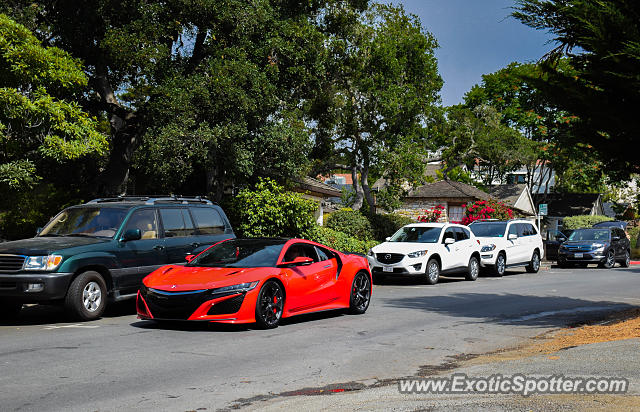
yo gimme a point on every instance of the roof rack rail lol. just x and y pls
(151, 200)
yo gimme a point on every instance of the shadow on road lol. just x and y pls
(53, 314)
(510, 309)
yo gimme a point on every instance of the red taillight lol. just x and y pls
(478, 241)
(141, 307)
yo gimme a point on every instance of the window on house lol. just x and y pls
(455, 213)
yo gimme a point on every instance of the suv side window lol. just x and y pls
(145, 220)
(449, 233)
(460, 235)
(513, 229)
(532, 229)
(522, 230)
(176, 222)
(208, 220)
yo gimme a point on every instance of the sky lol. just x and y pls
(476, 37)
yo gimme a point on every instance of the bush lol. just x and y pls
(351, 222)
(634, 232)
(432, 215)
(486, 209)
(386, 225)
(576, 222)
(271, 211)
(338, 240)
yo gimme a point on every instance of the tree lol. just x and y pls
(601, 41)
(198, 94)
(39, 120)
(377, 102)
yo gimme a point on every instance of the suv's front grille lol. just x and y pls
(389, 258)
(11, 263)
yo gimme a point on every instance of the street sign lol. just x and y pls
(542, 209)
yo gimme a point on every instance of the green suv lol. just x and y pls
(100, 251)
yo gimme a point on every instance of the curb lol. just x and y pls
(635, 262)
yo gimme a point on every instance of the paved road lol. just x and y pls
(120, 362)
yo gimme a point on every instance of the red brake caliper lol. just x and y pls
(275, 302)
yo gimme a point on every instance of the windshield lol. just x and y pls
(241, 253)
(86, 221)
(488, 229)
(590, 234)
(417, 234)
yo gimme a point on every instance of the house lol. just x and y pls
(320, 192)
(450, 194)
(517, 197)
(561, 205)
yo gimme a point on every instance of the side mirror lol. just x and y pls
(449, 241)
(388, 238)
(189, 258)
(299, 261)
(131, 234)
(512, 236)
(615, 238)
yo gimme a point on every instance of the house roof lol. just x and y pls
(512, 194)
(448, 189)
(316, 186)
(429, 171)
(568, 204)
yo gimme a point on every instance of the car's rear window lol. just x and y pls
(208, 220)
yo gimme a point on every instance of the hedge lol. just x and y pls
(351, 222)
(385, 225)
(576, 222)
(339, 240)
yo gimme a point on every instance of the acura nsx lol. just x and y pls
(257, 281)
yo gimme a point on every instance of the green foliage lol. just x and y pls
(634, 234)
(576, 222)
(268, 210)
(39, 119)
(338, 240)
(385, 225)
(600, 39)
(351, 222)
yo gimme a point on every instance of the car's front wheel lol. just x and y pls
(609, 261)
(473, 269)
(501, 265)
(270, 305)
(627, 259)
(87, 296)
(360, 294)
(433, 272)
(534, 264)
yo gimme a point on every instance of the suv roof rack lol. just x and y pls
(152, 200)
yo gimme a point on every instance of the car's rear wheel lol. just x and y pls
(534, 264)
(500, 266)
(473, 269)
(360, 294)
(9, 309)
(87, 296)
(627, 260)
(432, 273)
(609, 260)
(269, 305)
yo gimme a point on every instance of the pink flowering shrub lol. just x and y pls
(431, 215)
(486, 209)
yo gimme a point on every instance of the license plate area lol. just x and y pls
(387, 269)
(578, 255)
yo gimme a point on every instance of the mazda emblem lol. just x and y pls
(387, 256)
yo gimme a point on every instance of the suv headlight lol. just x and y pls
(488, 248)
(371, 253)
(417, 254)
(50, 262)
(598, 246)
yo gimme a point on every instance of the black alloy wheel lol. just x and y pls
(360, 294)
(270, 305)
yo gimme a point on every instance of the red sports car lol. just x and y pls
(257, 280)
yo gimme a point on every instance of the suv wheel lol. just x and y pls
(627, 260)
(473, 269)
(86, 297)
(432, 273)
(501, 265)
(534, 265)
(609, 260)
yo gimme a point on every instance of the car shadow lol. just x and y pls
(510, 309)
(413, 281)
(31, 315)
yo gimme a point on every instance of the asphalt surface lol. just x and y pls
(119, 362)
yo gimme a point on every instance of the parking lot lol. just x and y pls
(120, 362)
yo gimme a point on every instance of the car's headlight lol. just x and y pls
(371, 253)
(417, 254)
(241, 287)
(488, 248)
(50, 262)
(597, 246)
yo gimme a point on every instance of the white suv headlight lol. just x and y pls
(50, 262)
(488, 248)
(417, 254)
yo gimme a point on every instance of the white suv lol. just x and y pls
(508, 243)
(427, 250)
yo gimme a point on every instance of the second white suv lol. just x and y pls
(427, 250)
(508, 243)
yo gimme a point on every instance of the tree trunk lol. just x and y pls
(357, 204)
(366, 190)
